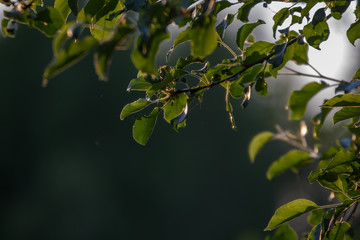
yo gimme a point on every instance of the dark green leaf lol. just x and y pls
(49, 21)
(63, 35)
(290, 211)
(245, 31)
(285, 232)
(261, 85)
(257, 142)
(134, 4)
(318, 17)
(299, 99)
(144, 126)
(243, 13)
(279, 19)
(134, 107)
(338, 8)
(221, 5)
(69, 56)
(288, 161)
(175, 107)
(347, 87)
(346, 100)
(353, 32)
(73, 6)
(315, 35)
(277, 60)
(346, 113)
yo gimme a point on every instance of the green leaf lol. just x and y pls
(68, 56)
(245, 31)
(144, 126)
(257, 142)
(102, 57)
(144, 53)
(96, 9)
(257, 51)
(342, 157)
(139, 84)
(224, 24)
(300, 53)
(243, 12)
(134, 107)
(315, 35)
(319, 120)
(279, 19)
(261, 85)
(104, 27)
(346, 100)
(315, 217)
(204, 38)
(299, 99)
(63, 7)
(285, 232)
(338, 231)
(49, 21)
(318, 17)
(277, 60)
(290, 211)
(236, 89)
(309, 5)
(353, 32)
(346, 113)
(290, 160)
(63, 35)
(175, 107)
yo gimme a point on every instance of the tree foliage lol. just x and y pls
(102, 27)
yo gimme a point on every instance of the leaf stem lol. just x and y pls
(228, 48)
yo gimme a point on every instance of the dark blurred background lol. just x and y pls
(71, 170)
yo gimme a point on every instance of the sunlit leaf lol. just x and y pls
(139, 84)
(299, 99)
(346, 100)
(244, 31)
(257, 142)
(236, 90)
(300, 53)
(318, 17)
(340, 158)
(315, 217)
(134, 107)
(339, 231)
(357, 74)
(290, 211)
(353, 32)
(175, 107)
(144, 126)
(204, 38)
(288, 161)
(346, 113)
(63, 7)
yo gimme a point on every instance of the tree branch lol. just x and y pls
(237, 75)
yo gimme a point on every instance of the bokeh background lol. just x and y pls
(71, 170)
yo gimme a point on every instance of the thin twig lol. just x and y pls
(309, 75)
